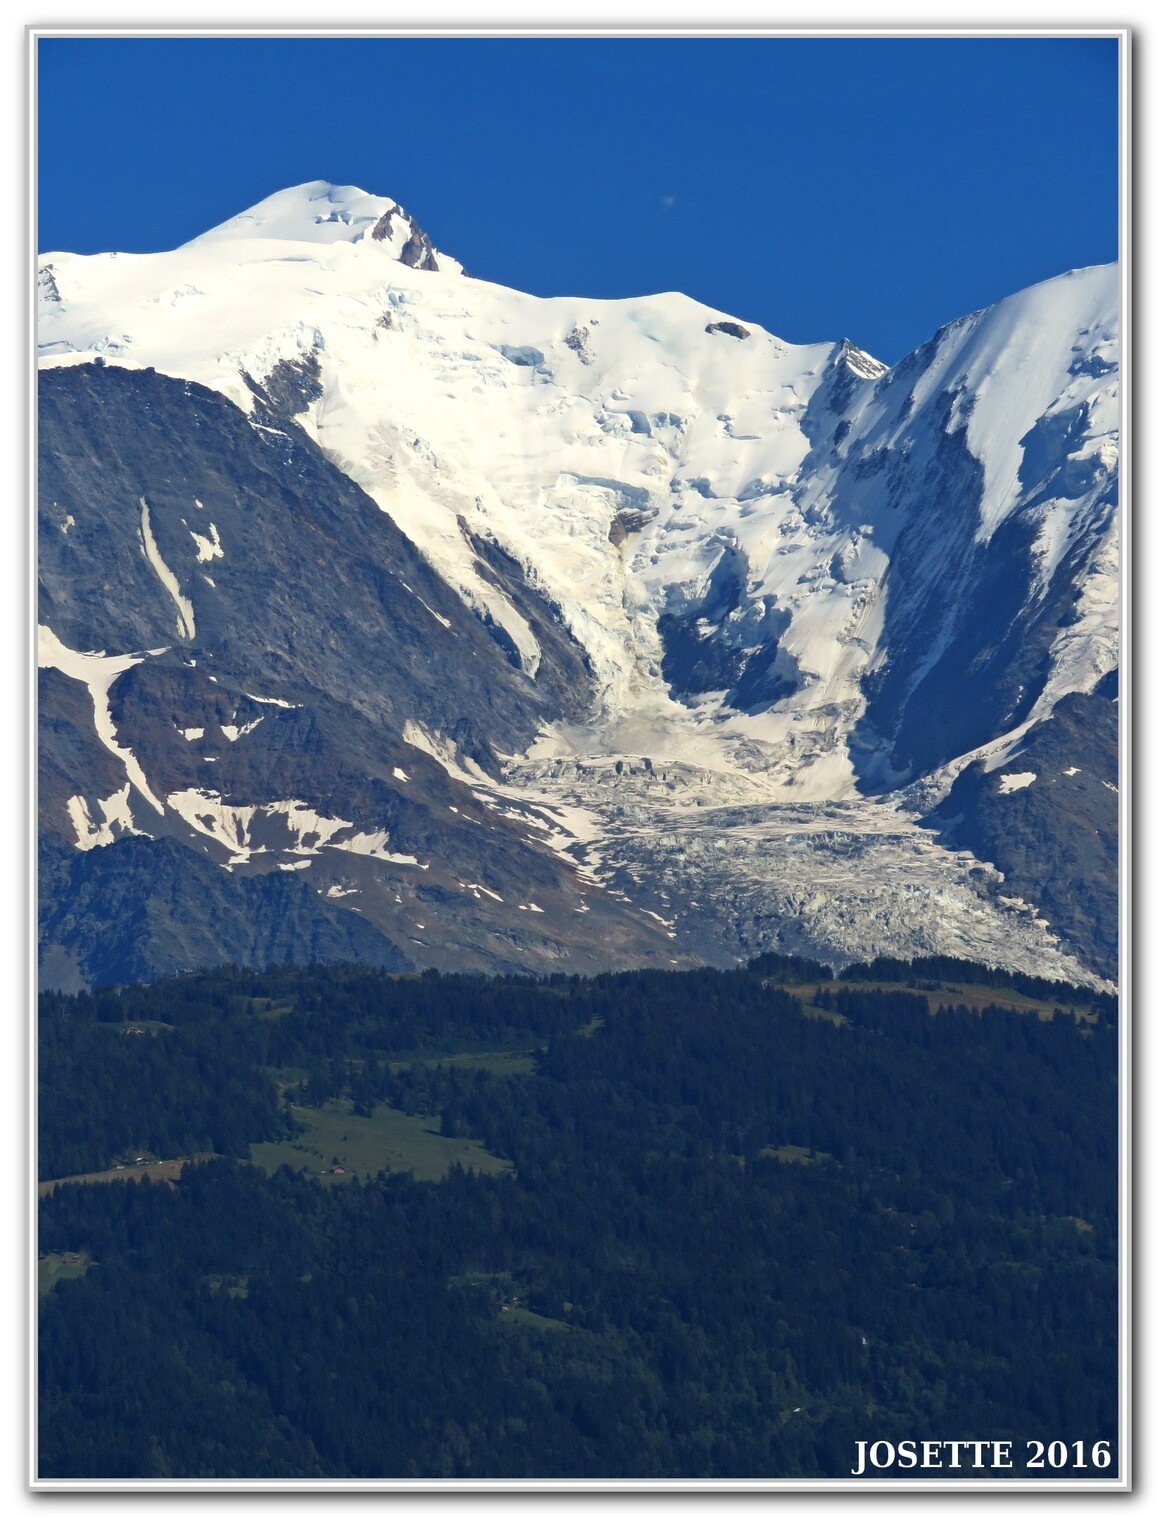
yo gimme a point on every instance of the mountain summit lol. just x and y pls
(318, 212)
(505, 631)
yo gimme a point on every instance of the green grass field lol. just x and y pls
(793, 1153)
(388, 1140)
(155, 1169)
(134, 1027)
(513, 1310)
(522, 1316)
(235, 1286)
(947, 993)
(267, 1008)
(519, 1061)
(51, 1269)
(823, 1014)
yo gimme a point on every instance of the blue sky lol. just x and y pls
(870, 188)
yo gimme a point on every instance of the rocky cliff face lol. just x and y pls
(1047, 818)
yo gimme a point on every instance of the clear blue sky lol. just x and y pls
(827, 187)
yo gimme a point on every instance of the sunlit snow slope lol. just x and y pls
(783, 568)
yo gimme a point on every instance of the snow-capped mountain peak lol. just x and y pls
(719, 570)
(320, 212)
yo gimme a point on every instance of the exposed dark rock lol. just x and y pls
(1054, 840)
(290, 387)
(769, 673)
(316, 601)
(578, 340)
(625, 523)
(968, 629)
(730, 328)
(418, 251)
(1094, 366)
(564, 672)
(139, 909)
(708, 647)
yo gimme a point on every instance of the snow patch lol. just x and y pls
(1011, 782)
(217, 820)
(186, 627)
(663, 921)
(118, 820)
(373, 845)
(208, 548)
(288, 826)
(233, 732)
(97, 671)
(443, 752)
(310, 831)
(444, 620)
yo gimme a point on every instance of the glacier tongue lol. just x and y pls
(735, 874)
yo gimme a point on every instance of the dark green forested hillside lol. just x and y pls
(734, 1224)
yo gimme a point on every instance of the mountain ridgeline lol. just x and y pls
(387, 615)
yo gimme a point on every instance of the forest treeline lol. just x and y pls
(743, 1230)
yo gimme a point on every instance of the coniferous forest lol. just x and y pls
(698, 1224)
